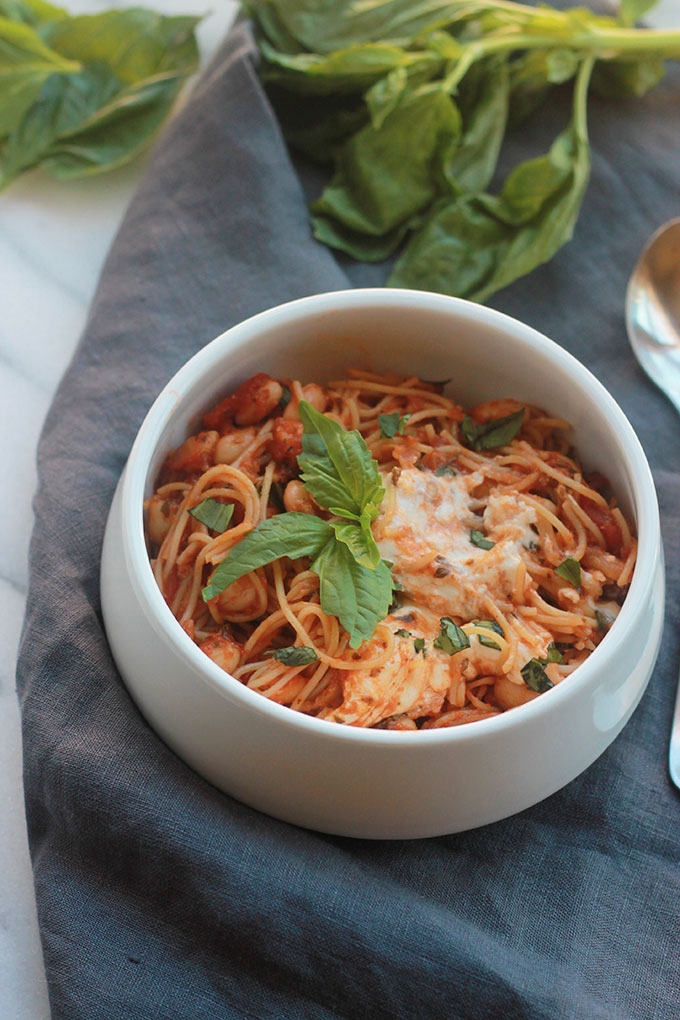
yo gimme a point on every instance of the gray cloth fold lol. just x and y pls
(159, 897)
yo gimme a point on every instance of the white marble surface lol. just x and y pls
(45, 301)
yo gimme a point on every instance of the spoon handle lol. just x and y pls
(674, 753)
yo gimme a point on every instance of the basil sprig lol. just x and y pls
(489, 435)
(570, 570)
(213, 514)
(338, 470)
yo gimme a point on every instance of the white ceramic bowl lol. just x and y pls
(377, 783)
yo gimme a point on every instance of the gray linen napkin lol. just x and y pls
(158, 897)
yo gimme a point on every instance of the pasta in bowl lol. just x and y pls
(498, 566)
(251, 652)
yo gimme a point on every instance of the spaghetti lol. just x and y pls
(510, 564)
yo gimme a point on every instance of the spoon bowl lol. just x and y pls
(653, 323)
(653, 310)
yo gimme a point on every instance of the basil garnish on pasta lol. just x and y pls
(338, 471)
(451, 638)
(478, 538)
(554, 654)
(535, 676)
(294, 655)
(489, 435)
(489, 625)
(213, 514)
(391, 425)
(570, 570)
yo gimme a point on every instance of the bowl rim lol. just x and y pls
(199, 365)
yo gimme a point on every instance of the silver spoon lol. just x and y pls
(653, 323)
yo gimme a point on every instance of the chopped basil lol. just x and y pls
(445, 469)
(419, 645)
(286, 396)
(392, 424)
(489, 435)
(295, 655)
(477, 538)
(554, 654)
(570, 570)
(402, 633)
(451, 638)
(213, 514)
(490, 625)
(535, 677)
(603, 622)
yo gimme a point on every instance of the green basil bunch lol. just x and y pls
(80, 95)
(411, 103)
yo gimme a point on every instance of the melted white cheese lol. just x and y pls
(424, 530)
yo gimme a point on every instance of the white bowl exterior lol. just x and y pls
(344, 780)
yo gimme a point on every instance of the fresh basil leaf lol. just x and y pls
(64, 104)
(489, 625)
(291, 534)
(26, 63)
(385, 94)
(445, 470)
(478, 538)
(317, 126)
(603, 621)
(631, 11)
(114, 134)
(489, 435)
(554, 654)
(213, 514)
(483, 102)
(419, 645)
(124, 73)
(336, 466)
(351, 69)
(359, 541)
(384, 177)
(391, 425)
(333, 25)
(134, 43)
(535, 677)
(294, 655)
(474, 245)
(570, 570)
(31, 12)
(451, 638)
(403, 633)
(358, 597)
